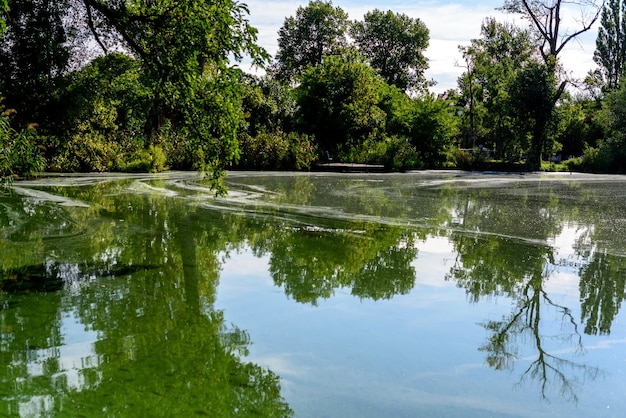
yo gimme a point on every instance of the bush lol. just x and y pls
(276, 151)
(19, 152)
(87, 152)
(573, 164)
(151, 160)
(395, 153)
(401, 155)
(608, 157)
(461, 159)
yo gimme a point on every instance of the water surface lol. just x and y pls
(314, 295)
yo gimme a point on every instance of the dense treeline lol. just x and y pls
(100, 85)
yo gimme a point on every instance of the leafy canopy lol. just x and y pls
(394, 44)
(317, 30)
(611, 43)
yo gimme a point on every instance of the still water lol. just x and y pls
(314, 295)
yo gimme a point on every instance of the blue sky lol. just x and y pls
(451, 23)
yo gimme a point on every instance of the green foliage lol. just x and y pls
(19, 153)
(395, 153)
(4, 7)
(110, 110)
(401, 155)
(491, 63)
(394, 44)
(531, 97)
(276, 150)
(611, 43)
(87, 152)
(339, 102)
(151, 160)
(397, 107)
(610, 153)
(597, 159)
(268, 105)
(464, 159)
(106, 109)
(317, 31)
(34, 55)
(433, 129)
(573, 164)
(578, 125)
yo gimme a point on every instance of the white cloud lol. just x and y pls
(450, 25)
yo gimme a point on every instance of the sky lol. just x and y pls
(451, 23)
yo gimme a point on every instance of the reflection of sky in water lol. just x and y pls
(71, 360)
(413, 355)
(416, 354)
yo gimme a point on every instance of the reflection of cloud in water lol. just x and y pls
(244, 264)
(335, 387)
(283, 365)
(432, 262)
(71, 361)
(37, 406)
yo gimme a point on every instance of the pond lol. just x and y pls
(314, 295)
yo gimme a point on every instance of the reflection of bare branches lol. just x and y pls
(548, 369)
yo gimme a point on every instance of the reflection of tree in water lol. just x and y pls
(602, 290)
(500, 254)
(524, 326)
(375, 263)
(159, 338)
(157, 347)
(521, 278)
(602, 248)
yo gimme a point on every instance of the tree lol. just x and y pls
(34, 57)
(339, 101)
(394, 44)
(433, 128)
(318, 30)
(611, 43)
(546, 19)
(186, 48)
(610, 154)
(186, 51)
(491, 63)
(531, 96)
(106, 107)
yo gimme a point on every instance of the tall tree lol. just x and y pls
(547, 20)
(339, 101)
(611, 43)
(394, 44)
(317, 30)
(492, 61)
(531, 97)
(34, 56)
(186, 48)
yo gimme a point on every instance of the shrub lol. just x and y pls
(592, 159)
(608, 157)
(276, 151)
(89, 151)
(395, 153)
(19, 152)
(151, 160)
(401, 155)
(461, 159)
